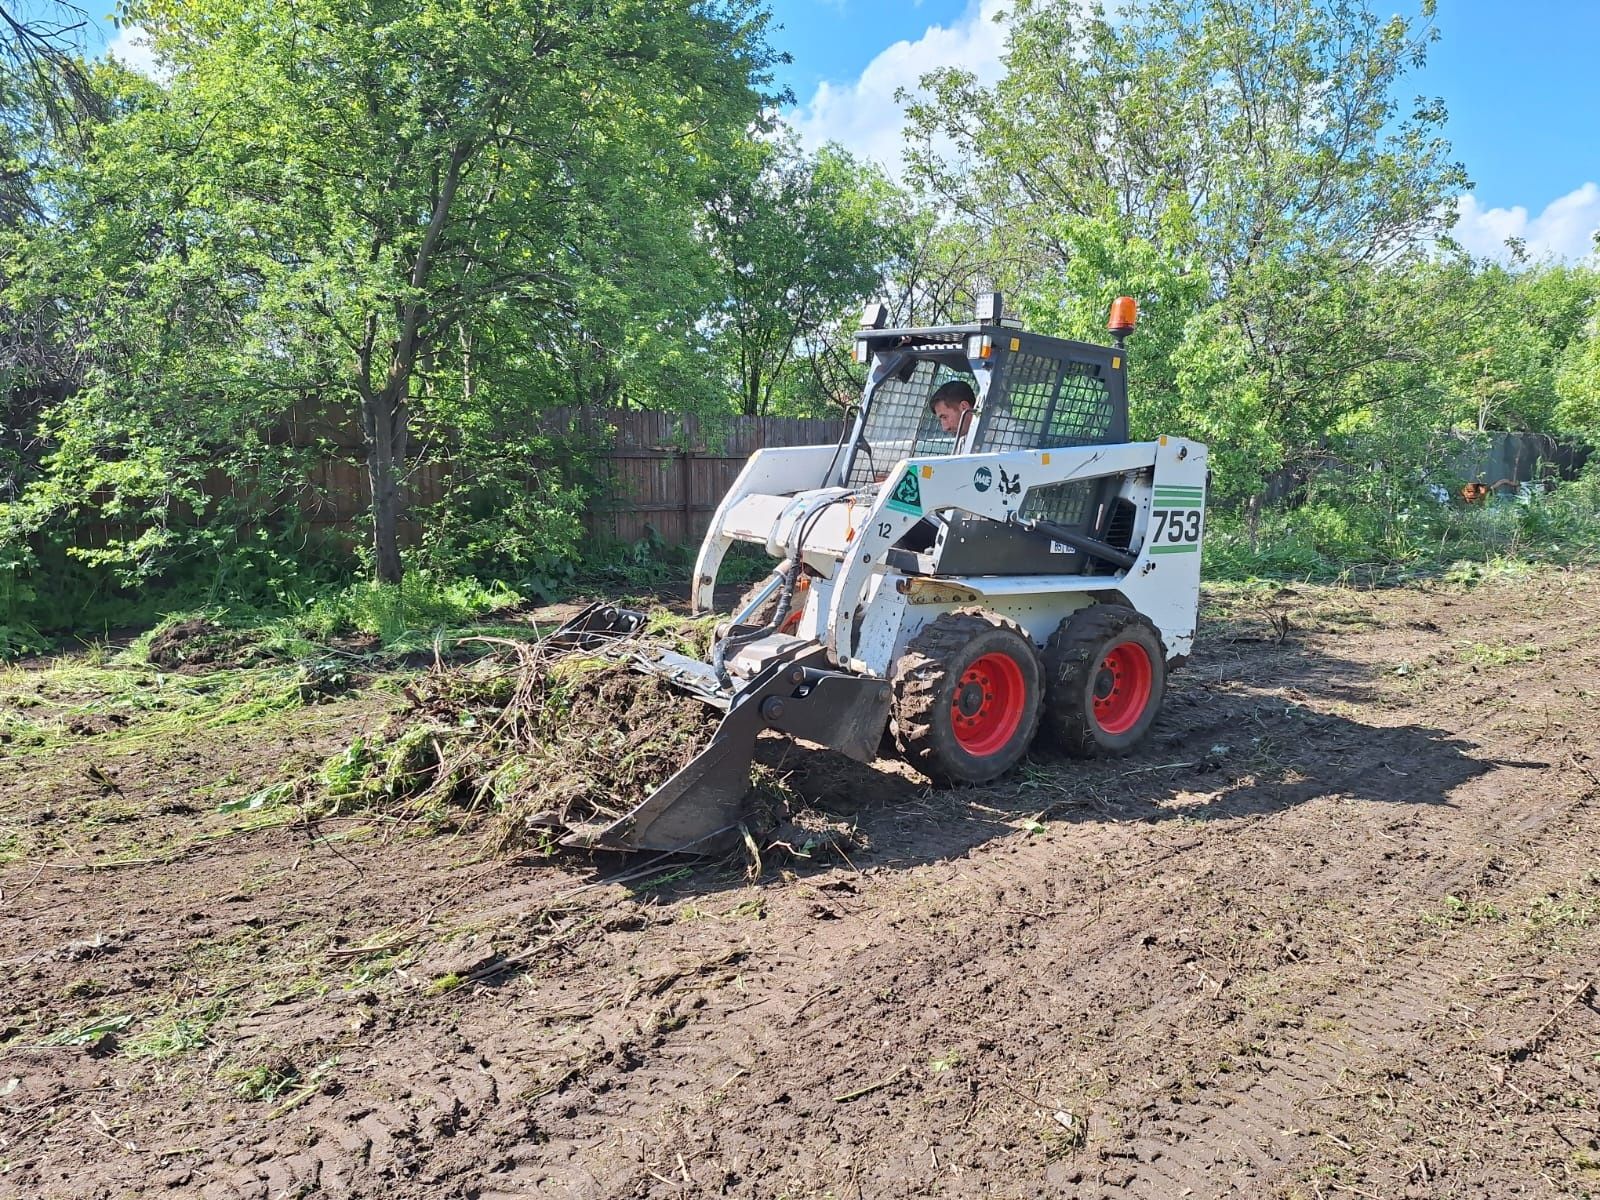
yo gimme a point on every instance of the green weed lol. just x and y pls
(89, 1033)
(675, 875)
(178, 1033)
(1340, 536)
(266, 1081)
(1457, 911)
(408, 611)
(445, 983)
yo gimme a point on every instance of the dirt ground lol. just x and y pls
(1334, 932)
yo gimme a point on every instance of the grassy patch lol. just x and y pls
(73, 703)
(1497, 654)
(1456, 910)
(445, 983)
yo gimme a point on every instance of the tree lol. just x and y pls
(797, 240)
(46, 97)
(1257, 143)
(349, 196)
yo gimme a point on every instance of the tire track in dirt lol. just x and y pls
(1244, 1127)
(1363, 1030)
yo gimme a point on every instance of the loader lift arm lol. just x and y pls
(917, 487)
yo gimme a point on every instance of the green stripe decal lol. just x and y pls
(1178, 504)
(1185, 548)
(1186, 493)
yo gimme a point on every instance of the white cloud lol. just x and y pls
(131, 47)
(1563, 231)
(864, 117)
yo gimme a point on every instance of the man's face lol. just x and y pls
(952, 417)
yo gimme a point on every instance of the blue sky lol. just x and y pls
(1521, 82)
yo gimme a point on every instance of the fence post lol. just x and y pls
(691, 433)
(686, 466)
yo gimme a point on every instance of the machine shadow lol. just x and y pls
(1244, 732)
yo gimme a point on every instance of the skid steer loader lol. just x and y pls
(1030, 573)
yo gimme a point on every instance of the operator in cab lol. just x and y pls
(953, 403)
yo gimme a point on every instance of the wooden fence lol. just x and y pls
(661, 472)
(668, 472)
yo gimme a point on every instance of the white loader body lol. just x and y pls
(845, 544)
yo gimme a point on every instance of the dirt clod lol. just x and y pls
(197, 642)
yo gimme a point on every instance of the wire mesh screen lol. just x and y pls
(1062, 503)
(1047, 402)
(1016, 418)
(900, 424)
(1083, 414)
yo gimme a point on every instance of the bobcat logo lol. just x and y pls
(1010, 484)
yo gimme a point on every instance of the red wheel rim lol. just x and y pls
(988, 704)
(1122, 687)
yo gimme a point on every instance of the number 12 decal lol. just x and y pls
(1176, 525)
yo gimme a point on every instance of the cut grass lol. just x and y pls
(70, 703)
(176, 1033)
(1498, 654)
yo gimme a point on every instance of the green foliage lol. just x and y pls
(266, 1081)
(177, 1033)
(420, 603)
(1331, 536)
(799, 243)
(1578, 375)
(1244, 170)
(396, 218)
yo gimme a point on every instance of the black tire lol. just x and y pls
(968, 693)
(1106, 676)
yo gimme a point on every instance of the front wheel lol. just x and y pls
(1106, 676)
(967, 697)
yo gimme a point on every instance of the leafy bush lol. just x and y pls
(1324, 540)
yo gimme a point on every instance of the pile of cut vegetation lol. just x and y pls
(197, 644)
(538, 742)
(546, 740)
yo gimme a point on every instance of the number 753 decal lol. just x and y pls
(1174, 526)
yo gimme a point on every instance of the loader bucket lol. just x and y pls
(701, 808)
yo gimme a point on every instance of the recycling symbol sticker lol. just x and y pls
(907, 495)
(983, 479)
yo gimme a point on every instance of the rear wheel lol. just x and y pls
(967, 697)
(1106, 676)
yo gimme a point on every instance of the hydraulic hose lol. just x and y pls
(791, 581)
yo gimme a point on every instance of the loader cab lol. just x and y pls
(1033, 393)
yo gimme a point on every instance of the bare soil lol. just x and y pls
(1335, 931)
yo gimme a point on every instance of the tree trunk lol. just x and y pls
(384, 416)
